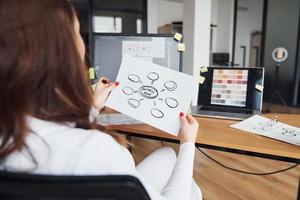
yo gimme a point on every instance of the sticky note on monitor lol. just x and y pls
(181, 47)
(201, 79)
(259, 87)
(203, 69)
(92, 73)
(177, 36)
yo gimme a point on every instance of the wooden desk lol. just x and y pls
(216, 134)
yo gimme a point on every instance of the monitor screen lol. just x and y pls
(110, 48)
(229, 87)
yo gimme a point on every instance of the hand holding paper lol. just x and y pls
(152, 94)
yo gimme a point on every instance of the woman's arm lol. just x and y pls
(179, 184)
(102, 90)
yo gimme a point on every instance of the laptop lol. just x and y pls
(230, 93)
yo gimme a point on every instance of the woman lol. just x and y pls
(47, 107)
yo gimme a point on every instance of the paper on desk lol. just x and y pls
(270, 128)
(152, 94)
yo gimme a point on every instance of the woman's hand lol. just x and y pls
(189, 128)
(102, 90)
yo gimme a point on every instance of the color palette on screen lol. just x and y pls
(229, 87)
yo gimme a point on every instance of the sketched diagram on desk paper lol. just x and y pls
(272, 128)
(146, 89)
(272, 125)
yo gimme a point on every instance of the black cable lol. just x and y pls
(245, 172)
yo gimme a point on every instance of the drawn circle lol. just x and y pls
(153, 76)
(290, 133)
(157, 113)
(134, 78)
(170, 85)
(171, 102)
(279, 54)
(128, 90)
(148, 92)
(133, 103)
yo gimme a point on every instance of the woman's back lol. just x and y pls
(54, 148)
(46, 102)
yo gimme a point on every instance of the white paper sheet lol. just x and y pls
(270, 128)
(152, 94)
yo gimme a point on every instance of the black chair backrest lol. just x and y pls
(17, 186)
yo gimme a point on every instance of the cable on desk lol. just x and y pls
(245, 172)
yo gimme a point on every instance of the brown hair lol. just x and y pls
(41, 72)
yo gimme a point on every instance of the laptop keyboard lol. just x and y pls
(228, 110)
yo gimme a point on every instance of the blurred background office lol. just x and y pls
(216, 32)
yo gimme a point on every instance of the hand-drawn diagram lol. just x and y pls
(290, 132)
(266, 126)
(150, 92)
(270, 125)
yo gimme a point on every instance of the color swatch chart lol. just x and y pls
(229, 87)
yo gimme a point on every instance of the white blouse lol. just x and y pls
(62, 149)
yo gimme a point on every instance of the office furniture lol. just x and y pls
(220, 59)
(20, 186)
(216, 134)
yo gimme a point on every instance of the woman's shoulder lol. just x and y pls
(87, 151)
(55, 130)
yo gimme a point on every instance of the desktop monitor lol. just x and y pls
(109, 49)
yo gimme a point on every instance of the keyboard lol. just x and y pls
(116, 119)
(228, 110)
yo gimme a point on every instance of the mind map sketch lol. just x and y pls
(146, 90)
(272, 125)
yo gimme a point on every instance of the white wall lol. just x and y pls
(169, 12)
(248, 21)
(152, 15)
(222, 16)
(196, 32)
(161, 12)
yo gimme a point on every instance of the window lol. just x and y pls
(108, 24)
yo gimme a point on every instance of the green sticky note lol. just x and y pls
(92, 73)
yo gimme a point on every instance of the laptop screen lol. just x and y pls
(231, 88)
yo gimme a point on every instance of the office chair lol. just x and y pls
(17, 186)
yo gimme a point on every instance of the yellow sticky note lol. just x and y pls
(201, 79)
(177, 36)
(94, 87)
(181, 47)
(92, 73)
(203, 69)
(259, 87)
